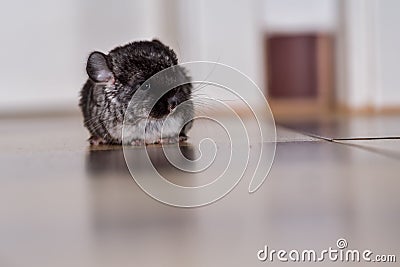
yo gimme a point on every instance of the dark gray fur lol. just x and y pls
(113, 80)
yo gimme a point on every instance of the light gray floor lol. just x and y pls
(351, 127)
(64, 204)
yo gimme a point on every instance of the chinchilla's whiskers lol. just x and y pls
(198, 95)
(203, 103)
(118, 116)
(205, 99)
(98, 121)
(204, 108)
(101, 123)
(200, 85)
(205, 113)
(95, 118)
(206, 96)
(204, 83)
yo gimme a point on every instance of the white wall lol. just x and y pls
(45, 44)
(356, 51)
(39, 53)
(369, 54)
(300, 15)
(388, 52)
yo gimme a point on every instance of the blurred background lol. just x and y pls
(64, 203)
(310, 57)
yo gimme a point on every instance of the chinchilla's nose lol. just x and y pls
(172, 103)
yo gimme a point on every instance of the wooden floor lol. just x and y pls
(64, 204)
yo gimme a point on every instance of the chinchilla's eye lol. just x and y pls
(146, 86)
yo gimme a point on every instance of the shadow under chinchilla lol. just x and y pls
(119, 207)
(106, 160)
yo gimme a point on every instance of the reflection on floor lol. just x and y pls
(64, 204)
(348, 127)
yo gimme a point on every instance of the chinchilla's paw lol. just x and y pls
(96, 141)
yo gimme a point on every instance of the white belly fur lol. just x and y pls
(169, 127)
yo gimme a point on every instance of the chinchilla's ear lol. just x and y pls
(155, 40)
(97, 67)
